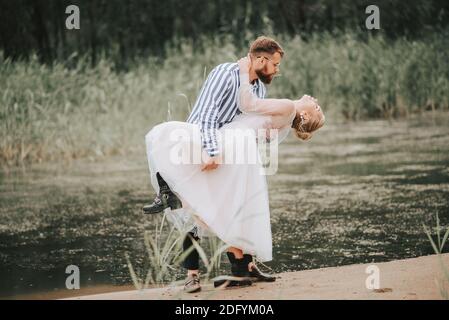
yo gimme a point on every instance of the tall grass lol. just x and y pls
(71, 109)
(166, 254)
(366, 79)
(438, 246)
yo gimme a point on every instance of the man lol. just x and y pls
(215, 106)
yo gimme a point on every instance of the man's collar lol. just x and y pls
(256, 83)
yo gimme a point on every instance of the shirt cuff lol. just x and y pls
(213, 152)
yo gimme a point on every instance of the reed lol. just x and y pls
(165, 255)
(438, 245)
(71, 109)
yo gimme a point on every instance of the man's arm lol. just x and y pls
(217, 84)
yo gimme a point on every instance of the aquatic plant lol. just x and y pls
(438, 246)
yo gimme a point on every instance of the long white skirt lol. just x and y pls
(230, 202)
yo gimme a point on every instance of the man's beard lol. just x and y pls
(265, 78)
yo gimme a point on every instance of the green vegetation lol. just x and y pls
(165, 255)
(438, 245)
(72, 109)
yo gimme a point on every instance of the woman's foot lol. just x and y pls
(240, 273)
(255, 273)
(165, 199)
(161, 202)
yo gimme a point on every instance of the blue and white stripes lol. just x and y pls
(216, 104)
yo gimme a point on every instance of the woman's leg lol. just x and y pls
(239, 269)
(255, 272)
(238, 254)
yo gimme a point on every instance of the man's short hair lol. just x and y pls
(265, 44)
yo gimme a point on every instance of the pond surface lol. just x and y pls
(355, 193)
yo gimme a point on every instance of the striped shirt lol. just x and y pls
(216, 104)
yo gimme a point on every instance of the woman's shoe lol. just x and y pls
(256, 274)
(165, 199)
(240, 273)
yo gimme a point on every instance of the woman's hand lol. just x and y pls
(244, 64)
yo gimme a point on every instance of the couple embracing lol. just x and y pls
(219, 196)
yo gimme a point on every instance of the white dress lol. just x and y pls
(230, 202)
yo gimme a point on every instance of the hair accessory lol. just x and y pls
(301, 123)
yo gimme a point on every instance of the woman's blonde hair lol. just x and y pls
(305, 126)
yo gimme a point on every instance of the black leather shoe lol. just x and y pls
(232, 282)
(156, 207)
(162, 202)
(240, 273)
(256, 274)
(165, 199)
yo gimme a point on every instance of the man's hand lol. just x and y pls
(210, 163)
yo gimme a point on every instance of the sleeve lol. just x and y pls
(217, 84)
(248, 102)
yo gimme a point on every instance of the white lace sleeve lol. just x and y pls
(248, 102)
(283, 134)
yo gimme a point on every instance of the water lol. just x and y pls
(355, 193)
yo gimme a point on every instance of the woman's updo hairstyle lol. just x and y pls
(305, 125)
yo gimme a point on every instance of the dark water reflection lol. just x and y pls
(355, 193)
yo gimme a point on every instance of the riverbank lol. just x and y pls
(350, 196)
(408, 279)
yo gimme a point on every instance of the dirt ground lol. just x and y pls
(408, 279)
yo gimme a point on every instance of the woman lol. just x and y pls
(231, 201)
